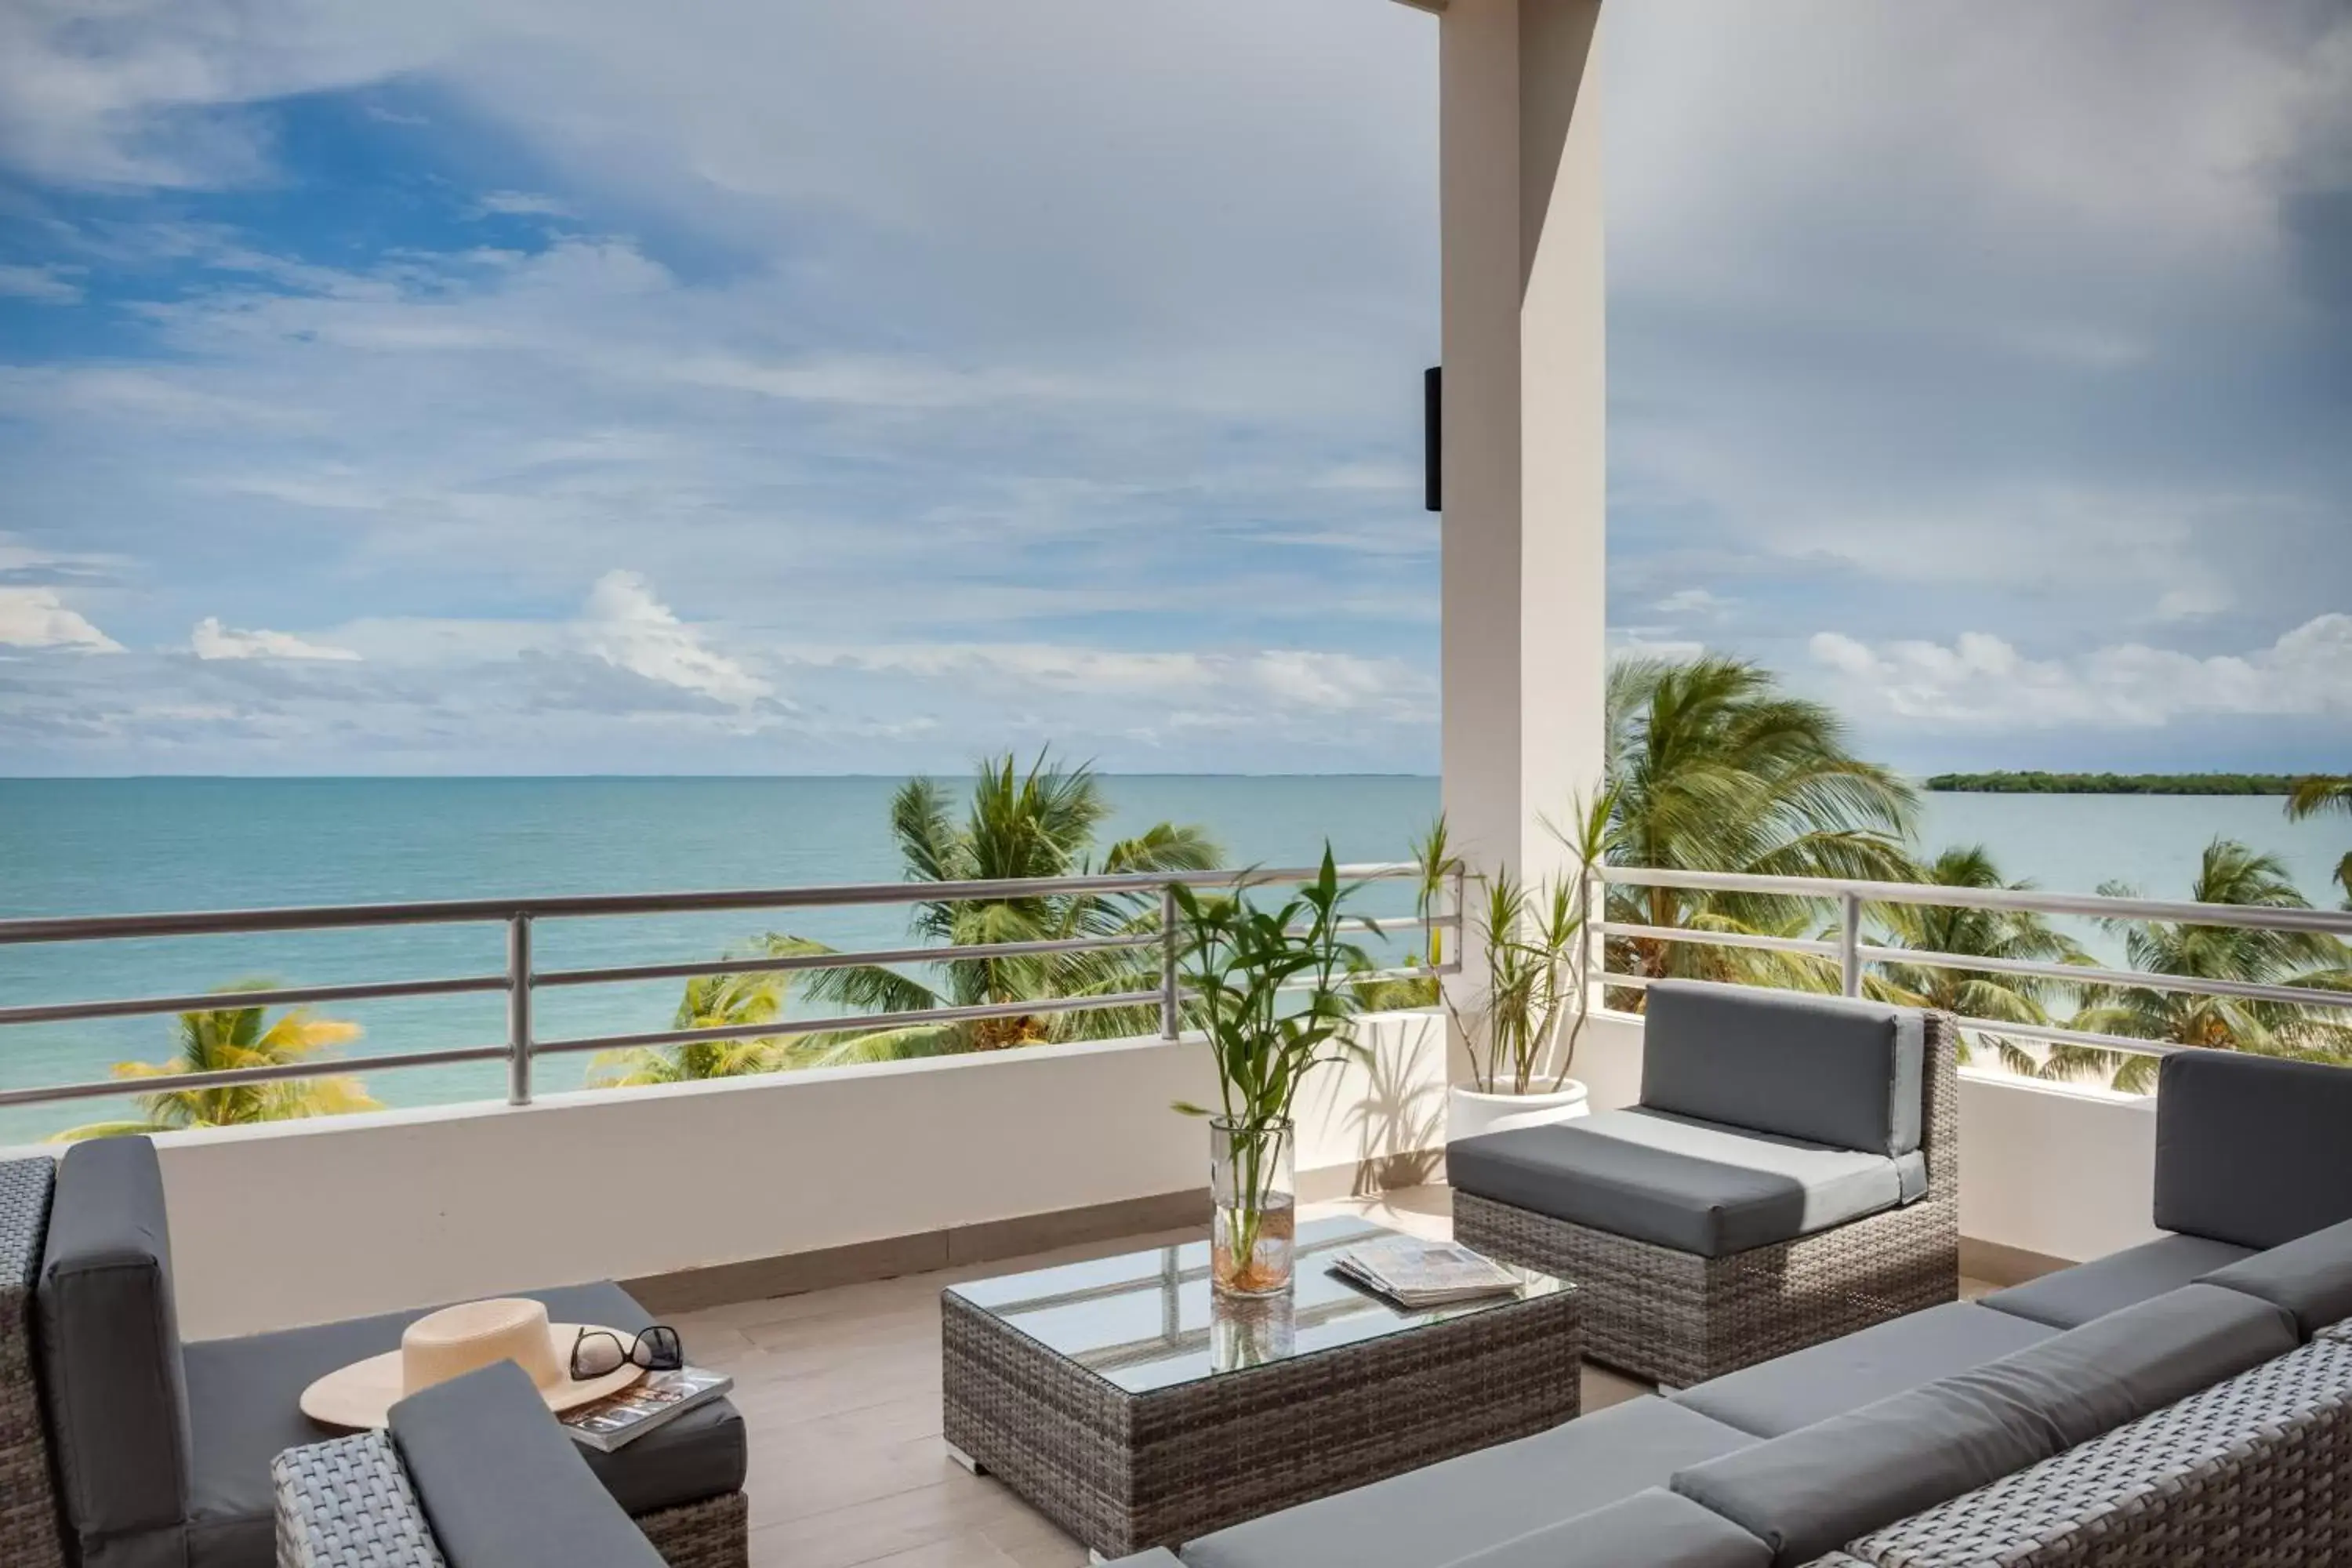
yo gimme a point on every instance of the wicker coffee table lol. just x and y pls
(1134, 1409)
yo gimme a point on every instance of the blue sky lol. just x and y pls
(517, 385)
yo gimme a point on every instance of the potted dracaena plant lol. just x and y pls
(1270, 990)
(1522, 1025)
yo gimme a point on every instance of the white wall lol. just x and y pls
(295, 1223)
(292, 1223)
(2063, 1172)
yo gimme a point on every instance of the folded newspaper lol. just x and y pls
(1424, 1273)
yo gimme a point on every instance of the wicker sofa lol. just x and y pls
(121, 1446)
(2202, 1413)
(1791, 1173)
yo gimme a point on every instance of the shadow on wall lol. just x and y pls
(1399, 1120)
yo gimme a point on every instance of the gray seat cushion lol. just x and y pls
(1874, 1363)
(244, 1399)
(1821, 1485)
(2252, 1149)
(1695, 1186)
(110, 1363)
(501, 1485)
(1460, 1505)
(2073, 1297)
(1652, 1529)
(1827, 1069)
(2310, 1277)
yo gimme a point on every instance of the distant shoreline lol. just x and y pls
(2034, 783)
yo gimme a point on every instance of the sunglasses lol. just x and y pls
(600, 1350)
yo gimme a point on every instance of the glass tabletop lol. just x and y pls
(1148, 1320)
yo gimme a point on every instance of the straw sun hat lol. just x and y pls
(452, 1342)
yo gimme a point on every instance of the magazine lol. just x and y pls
(654, 1400)
(1424, 1273)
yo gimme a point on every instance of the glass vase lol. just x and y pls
(1250, 1330)
(1255, 1200)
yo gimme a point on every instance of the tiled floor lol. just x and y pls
(841, 1389)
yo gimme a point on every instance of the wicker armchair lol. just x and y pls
(121, 1438)
(471, 1474)
(1680, 1318)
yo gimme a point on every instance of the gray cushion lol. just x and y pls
(244, 1396)
(1821, 1485)
(1826, 1483)
(2311, 1277)
(2252, 1149)
(2121, 1366)
(1874, 1363)
(110, 1362)
(1450, 1510)
(1652, 1529)
(2073, 1297)
(1829, 1069)
(502, 1486)
(1695, 1186)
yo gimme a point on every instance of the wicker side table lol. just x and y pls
(1124, 1403)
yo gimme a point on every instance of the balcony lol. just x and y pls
(800, 1224)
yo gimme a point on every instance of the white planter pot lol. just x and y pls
(1468, 1112)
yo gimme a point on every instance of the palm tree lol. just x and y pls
(223, 1038)
(2228, 873)
(713, 1001)
(2016, 934)
(1037, 823)
(1716, 769)
(2319, 794)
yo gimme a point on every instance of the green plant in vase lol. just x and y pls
(1270, 990)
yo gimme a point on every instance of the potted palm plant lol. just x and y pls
(1522, 1026)
(1270, 988)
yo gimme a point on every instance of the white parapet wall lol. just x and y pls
(296, 1223)
(2052, 1172)
(306, 1222)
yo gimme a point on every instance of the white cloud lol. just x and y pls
(1981, 681)
(211, 640)
(628, 627)
(522, 204)
(42, 285)
(37, 617)
(2193, 602)
(1695, 601)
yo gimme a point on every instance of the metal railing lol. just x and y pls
(521, 979)
(1854, 955)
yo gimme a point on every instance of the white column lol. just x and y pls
(1525, 443)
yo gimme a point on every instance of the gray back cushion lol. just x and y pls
(2252, 1150)
(2133, 1360)
(111, 1371)
(2310, 1277)
(1821, 1485)
(1831, 1070)
(502, 1484)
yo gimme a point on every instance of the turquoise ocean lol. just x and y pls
(120, 846)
